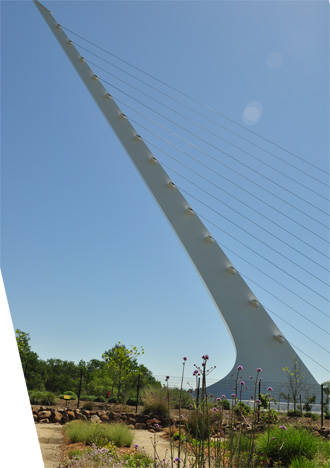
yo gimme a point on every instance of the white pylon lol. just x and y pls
(257, 340)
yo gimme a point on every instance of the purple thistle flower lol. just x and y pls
(251, 377)
(246, 388)
(191, 406)
(240, 368)
(167, 377)
(258, 401)
(215, 409)
(136, 446)
(233, 395)
(259, 369)
(269, 389)
(177, 459)
(224, 397)
(218, 398)
(273, 438)
(184, 358)
(284, 428)
(242, 382)
(195, 372)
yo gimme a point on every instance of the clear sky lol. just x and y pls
(88, 259)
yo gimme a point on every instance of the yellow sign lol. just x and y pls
(66, 397)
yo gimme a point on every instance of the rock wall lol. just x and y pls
(61, 416)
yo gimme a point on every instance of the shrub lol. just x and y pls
(41, 398)
(269, 417)
(89, 405)
(99, 434)
(242, 408)
(100, 399)
(225, 404)
(131, 402)
(198, 424)
(72, 395)
(294, 413)
(285, 445)
(155, 401)
(186, 399)
(87, 398)
(112, 400)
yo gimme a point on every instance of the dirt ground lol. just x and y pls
(51, 440)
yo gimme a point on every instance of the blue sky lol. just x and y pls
(88, 259)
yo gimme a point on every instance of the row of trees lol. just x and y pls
(117, 372)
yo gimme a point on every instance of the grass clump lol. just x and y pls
(87, 398)
(283, 445)
(155, 401)
(41, 398)
(99, 434)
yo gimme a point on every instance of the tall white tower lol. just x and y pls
(257, 339)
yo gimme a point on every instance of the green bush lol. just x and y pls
(131, 402)
(155, 401)
(294, 413)
(41, 398)
(113, 400)
(186, 399)
(242, 408)
(72, 395)
(100, 399)
(225, 404)
(269, 417)
(284, 445)
(198, 424)
(99, 434)
(87, 398)
(89, 405)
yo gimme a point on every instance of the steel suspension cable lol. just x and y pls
(233, 183)
(216, 148)
(220, 162)
(205, 106)
(202, 127)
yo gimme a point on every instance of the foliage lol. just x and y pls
(269, 417)
(100, 399)
(308, 403)
(87, 398)
(122, 364)
(155, 401)
(198, 424)
(55, 375)
(242, 408)
(283, 445)
(99, 434)
(294, 413)
(296, 382)
(109, 457)
(89, 405)
(185, 401)
(41, 398)
(225, 404)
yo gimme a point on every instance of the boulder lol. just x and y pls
(44, 414)
(56, 417)
(95, 419)
(70, 414)
(104, 418)
(44, 421)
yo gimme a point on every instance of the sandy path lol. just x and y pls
(149, 443)
(51, 440)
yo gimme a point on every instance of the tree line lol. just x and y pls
(116, 375)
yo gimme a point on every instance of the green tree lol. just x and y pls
(296, 384)
(122, 365)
